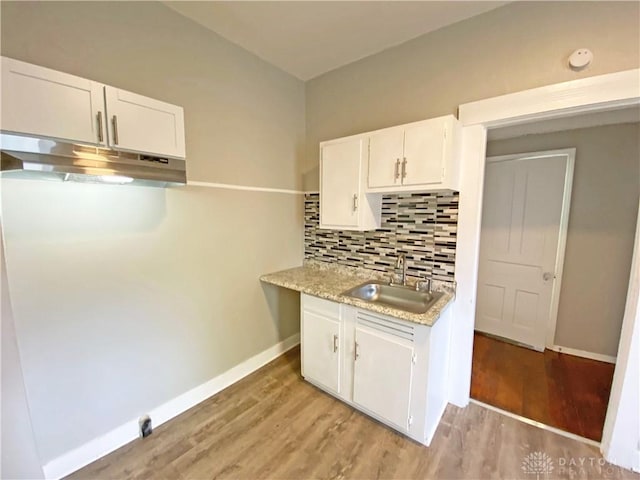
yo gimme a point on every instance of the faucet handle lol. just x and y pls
(423, 285)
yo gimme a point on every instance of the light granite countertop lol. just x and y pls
(329, 281)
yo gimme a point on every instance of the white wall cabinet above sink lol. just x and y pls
(41, 102)
(420, 156)
(344, 204)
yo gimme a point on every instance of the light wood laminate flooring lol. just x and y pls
(273, 424)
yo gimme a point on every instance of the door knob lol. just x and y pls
(546, 276)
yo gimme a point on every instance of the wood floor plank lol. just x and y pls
(563, 391)
(274, 425)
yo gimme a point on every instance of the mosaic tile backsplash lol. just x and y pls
(423, 226)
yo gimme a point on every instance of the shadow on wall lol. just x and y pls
(311, 179)
(284, 309)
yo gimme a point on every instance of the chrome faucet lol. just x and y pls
(402, 262)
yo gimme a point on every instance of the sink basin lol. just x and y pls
(396, 296)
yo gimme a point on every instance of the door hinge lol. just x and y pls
(414, 358)
(409, 420)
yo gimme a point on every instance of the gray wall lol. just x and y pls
(125, 298)
(602, 220)
(115, 289)
(519, 46)
(19, 457)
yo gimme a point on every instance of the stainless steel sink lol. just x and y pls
(396, 296)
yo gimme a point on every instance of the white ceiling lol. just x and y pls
(309, 38)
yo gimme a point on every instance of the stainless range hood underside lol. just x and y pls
(64, 162)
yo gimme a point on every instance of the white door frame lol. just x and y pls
(592, 94)
(570, 153)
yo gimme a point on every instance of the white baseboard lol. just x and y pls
(582, 353)
(116, 438)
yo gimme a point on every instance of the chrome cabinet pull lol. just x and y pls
(100, 133)
(335, 343)
(114, 121)
(397, 170)
(355, 202)
(404, 167)
(355, 352)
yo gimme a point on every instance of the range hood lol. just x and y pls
(37, 158)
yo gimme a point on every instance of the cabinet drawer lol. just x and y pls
(320, 305)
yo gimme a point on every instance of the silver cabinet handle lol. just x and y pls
(355, 202)
(404, 167)
(335, 343)
(100, 133)
(355, 352)
(114, 122)
(397, 170)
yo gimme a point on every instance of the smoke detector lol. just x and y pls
(580, 59)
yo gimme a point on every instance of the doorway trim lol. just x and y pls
(586, 95)
(558, 268)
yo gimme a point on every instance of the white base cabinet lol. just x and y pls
(390, 369)
(320, 337)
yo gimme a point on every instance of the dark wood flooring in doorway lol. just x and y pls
(273, 424)
(564, 391)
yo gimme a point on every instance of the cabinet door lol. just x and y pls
(385, 156)
(142, 124)
(42, 102)
(424, 153)
(382, 375)
(340, 183)
(320, 350)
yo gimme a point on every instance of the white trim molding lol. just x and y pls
(227, 186)
(587, 95)
(621, 433)
(601, 92)
(583, 353)
(119, 436)
(534, 423)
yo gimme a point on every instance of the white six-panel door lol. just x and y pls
(522, 245)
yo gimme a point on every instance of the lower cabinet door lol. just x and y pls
(320, 350)
(382, 376)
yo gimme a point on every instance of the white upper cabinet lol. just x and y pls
(343, 201)
(419, 156)
(142, 124)
(42, 102)
(386, 151)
